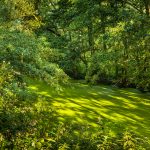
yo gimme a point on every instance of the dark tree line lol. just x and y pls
(99, 40)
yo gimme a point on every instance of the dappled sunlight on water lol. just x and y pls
(85, 104)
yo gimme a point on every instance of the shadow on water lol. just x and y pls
(80, 103)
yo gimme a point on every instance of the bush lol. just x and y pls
(29, 55)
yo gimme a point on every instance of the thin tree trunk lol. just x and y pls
(90, 35)
(147, 7)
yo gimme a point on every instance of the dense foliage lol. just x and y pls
(106, 41)
(30, 56)
(25, 125)
(101, 41)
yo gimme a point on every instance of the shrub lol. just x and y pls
(29, 55)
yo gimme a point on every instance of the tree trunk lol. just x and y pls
(147, 7)
(90, 35)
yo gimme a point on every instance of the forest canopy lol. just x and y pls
(100, 41)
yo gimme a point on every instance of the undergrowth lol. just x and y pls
(24, 126)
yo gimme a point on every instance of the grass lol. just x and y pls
(83, 104)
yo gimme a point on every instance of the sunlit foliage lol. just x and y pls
(51, 42)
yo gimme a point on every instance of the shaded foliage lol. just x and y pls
(101, 41)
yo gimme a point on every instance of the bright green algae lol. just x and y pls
(81, 103)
